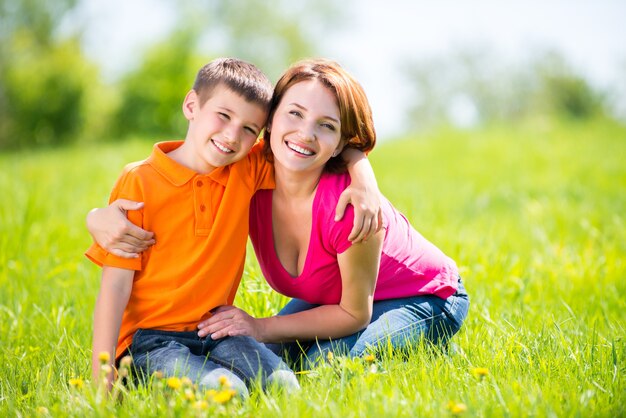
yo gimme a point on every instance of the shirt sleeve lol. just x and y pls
(126, 187)
(261, 170)
(339, 231)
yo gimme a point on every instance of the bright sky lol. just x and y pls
(591, 34)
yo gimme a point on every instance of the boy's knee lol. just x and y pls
(215, 380)
(285, 379)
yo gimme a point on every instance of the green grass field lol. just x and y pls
(534, 216)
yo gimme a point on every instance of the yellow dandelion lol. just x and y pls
(369, 358)
(480, 372)
(42, 410)
(330, 356)
(77, 382)
(201, 404)
(224, 396)
(224, 381)
(126, 361)
(104, 357)
(174, 383)
(211, 393)
(458, 408)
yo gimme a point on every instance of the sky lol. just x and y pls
(381, 35)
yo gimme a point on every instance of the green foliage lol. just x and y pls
(152, 95)
(533, 215)
(44, 80)
(544, 86)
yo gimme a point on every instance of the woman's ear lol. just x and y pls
(189, 104)
(339, 148)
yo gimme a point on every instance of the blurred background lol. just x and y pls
(75, 71)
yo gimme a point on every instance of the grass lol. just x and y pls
(533, 215)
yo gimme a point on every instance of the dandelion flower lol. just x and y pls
(104, 357)
(174, 383)
(211, 393)
(42, 410)
(457, 408)
(224, 396)
(224, 381)
(330, 356)
(480, 372)
(77, 382)
(369, 358)
(186, 381)
(106, 369)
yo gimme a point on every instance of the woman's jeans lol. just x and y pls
(398, 322)
(241, 359)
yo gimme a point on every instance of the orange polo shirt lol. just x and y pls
(200, 223)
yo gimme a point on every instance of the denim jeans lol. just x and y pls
(203, 360)
(399, 322)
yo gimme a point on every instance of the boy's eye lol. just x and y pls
(223, 115)
(251, 131)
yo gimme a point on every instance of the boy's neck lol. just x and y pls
(187, 157)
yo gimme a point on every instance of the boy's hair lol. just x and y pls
(357, 124)
(239, 76)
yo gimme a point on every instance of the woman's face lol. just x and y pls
(306, 127)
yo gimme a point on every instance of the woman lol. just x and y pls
(347, 297)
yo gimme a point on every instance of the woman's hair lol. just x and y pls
(357, 124)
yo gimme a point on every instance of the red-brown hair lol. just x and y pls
(357, 124)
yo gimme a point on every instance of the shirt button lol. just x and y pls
(199, 183)
(202, 208)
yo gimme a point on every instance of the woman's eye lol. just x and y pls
(295, 113)
(329, 126)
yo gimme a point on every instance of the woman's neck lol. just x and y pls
(296, 185)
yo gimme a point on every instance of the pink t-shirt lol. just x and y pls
(410, 265)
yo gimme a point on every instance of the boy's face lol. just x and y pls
(222, 130)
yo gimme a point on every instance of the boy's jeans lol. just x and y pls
(203, 360)
(401, 322)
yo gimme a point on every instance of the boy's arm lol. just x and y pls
(114, 293)
(364, 195)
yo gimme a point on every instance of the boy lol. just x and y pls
(197, 194)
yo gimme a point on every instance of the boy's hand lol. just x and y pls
(229, 321)
(110, 228)
(368, 214)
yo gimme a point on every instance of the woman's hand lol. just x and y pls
(229, 321)
(110, 228)
(368, 213)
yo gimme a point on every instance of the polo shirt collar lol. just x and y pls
(176, 173)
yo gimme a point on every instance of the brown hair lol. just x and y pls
(357, 124)
(241, 77)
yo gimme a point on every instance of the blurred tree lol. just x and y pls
(495, 91)
(270, 34)
(43, 77)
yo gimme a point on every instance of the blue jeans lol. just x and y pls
(203, 360)
(399, 322)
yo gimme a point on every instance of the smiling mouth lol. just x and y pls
(300, 150)
(221, 147)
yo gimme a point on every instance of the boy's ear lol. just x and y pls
(190, 104)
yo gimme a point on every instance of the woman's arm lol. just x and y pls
(114, 293)
(359, 270)
(112, 230)
(364, 195)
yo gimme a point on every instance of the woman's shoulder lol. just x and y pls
(333, 184)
